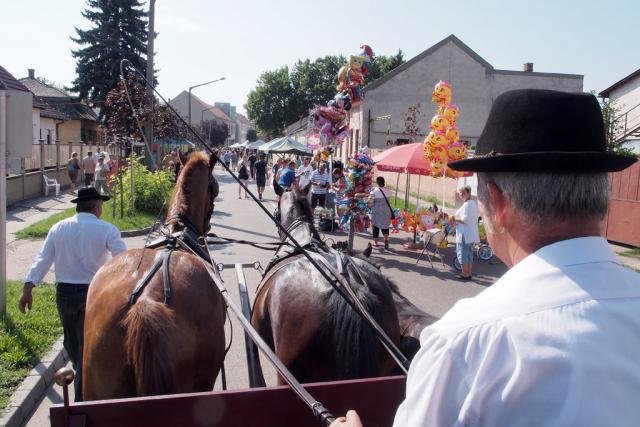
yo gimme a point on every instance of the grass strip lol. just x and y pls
(25, 338)
(633, 253)
(40, 229)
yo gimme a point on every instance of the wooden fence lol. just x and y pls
(622, 224)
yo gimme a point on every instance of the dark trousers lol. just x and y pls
(71, 300)
(88, 178)
(376, 232)
(318, 199)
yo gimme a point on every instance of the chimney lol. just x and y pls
(32, 73)
(528, 67)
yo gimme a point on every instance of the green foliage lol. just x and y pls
(118, 30)
(214, 132)
(284, 96)
(252, 135)
(633, 253)
(25, 338)
(152, 190)
(614, 128)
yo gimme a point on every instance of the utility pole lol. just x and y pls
(149, 124)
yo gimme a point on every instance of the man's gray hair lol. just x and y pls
(544, 197)
(466, 189)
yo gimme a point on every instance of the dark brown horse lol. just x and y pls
(311, 328)
(151, 347)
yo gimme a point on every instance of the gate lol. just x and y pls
(622, 224)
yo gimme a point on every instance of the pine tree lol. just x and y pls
(119, 30)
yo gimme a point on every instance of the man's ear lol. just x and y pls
(499, 205)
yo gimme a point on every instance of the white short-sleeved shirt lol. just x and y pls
(468, 228)
(304, 172)
(555, 342)
(79, 246)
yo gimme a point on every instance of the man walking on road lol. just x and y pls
(89, 167)
(78, 246)
(261, 175)
(555, 341)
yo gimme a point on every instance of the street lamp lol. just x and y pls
(193, 87)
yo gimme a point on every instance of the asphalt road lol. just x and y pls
(434, 290)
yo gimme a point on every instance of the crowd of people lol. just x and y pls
(95, 171)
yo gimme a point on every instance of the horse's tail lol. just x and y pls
(357, 348)
(148, 324)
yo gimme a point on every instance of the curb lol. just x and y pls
(25, 399)
(136, 233)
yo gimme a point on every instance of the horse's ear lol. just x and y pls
(213, 159)
(182, 158)
(305, 190)
(277, 188)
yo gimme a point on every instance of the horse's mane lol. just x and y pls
(180, 200)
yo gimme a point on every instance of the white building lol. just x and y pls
(476, 83)
(626, 94)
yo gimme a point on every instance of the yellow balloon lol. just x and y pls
(439, 122)
(452, 113)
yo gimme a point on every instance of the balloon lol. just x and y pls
(442, 92)
(440, 123)
(457, 151)
(437, 167)
(452, 113)
(452, 134)
(342, 78)
(439, 153)
(436, 138)
(355, 62)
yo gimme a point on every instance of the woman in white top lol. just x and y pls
(466, 222)
(381, 213)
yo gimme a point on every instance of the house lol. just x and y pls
(626, 95)
(476, 83)
(202, 111)
(16, 149)
(80, 121)
(244, 124)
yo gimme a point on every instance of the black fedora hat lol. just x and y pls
(533, 130)
(89, 193)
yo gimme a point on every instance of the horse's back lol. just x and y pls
(187, 334)
(315, 332)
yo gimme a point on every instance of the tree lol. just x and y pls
(121, 122)
(282, 97)
(271, 104)
(614, 127)
(214, 132)
(252, 135)
(119, 31)
(382, 65)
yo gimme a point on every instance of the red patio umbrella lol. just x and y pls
(408, 158)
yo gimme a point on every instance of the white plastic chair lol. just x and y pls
(50, 183)
(436, 240)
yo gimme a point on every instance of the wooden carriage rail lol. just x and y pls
(375, 399)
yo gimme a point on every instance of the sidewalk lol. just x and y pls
(27, 212)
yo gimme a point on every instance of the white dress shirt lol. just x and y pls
(304, 172)
(468, 228)
(555, 342)
(79, 246)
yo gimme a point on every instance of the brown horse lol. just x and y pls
(151, 347)
(311, 328)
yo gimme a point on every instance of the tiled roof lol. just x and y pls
(72, 108)
(47, 110)
(243, 119)
(8, 82)
(217, 111)
(40, 89)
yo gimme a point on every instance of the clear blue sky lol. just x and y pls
(202, 40)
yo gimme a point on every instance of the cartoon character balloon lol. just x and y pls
(440, 123)
(452, 113)
(442, 93)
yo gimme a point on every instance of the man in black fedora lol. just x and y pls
(79, 246)
(555, 341)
